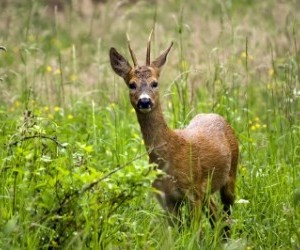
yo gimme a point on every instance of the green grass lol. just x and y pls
(73, 168)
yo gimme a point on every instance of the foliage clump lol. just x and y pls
(59, 192)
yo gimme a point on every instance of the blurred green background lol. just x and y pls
(74, 172)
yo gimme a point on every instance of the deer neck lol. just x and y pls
(156, 133)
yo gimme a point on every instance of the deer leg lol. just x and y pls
(212, 215)
(198, 206)
(172, 207)
(170, 198)
(212, 212)
(227, 198)
(171, 203)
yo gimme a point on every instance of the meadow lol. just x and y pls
(74, 173)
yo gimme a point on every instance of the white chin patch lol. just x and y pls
(145, 110)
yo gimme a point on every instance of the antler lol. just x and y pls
(148, 49)
(132, 53)
(3, 48)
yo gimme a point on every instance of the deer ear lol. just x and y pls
(119, 64)
(161, 60)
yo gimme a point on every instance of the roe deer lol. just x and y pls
(205, 152)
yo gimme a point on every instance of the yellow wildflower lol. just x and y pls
(243, 169)
(88, 148)
(112, 105)
(135, 135)
(271, 72)
(48, 69)
(73, 77)
(57, 72)
(56, 109)
(17, 104)
(244, 55)
(218, 81)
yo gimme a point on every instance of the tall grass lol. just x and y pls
(74, 172)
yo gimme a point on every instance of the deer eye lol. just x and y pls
(132, 85)
(154, 84)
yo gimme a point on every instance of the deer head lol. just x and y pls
(142, 81)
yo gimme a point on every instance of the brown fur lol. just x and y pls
(206, 151)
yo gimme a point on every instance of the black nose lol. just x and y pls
(144, 103)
